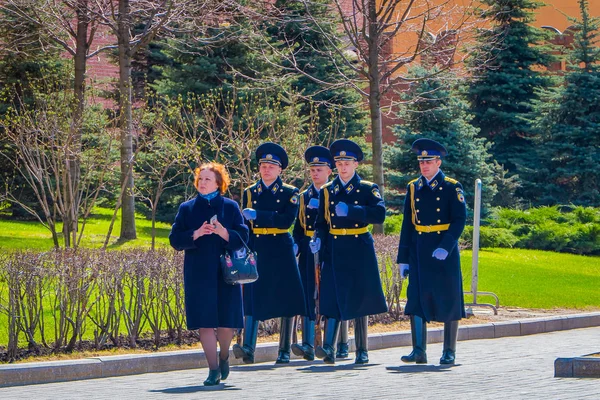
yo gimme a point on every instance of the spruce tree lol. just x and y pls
(296, 30)
(569, 121)
(441, 113)
(509, 66)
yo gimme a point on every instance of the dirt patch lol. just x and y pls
(190, 339)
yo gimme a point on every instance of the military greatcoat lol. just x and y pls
(209, 301)
(304, 229)
(434, 217)
(278, 291)
(350, 282)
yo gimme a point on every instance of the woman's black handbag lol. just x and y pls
(239, 267)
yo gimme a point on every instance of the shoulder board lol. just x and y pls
(250, 187)
(289, 187)
(413, 181)
(327, 184)
(367, 183)
(453, 181)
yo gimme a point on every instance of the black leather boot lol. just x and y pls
(450, 336)
(307, 349)
(418, 330)
(285, 340)
(246, 352)
(224, 367)
(327, 351)
(342, 346)
(214, 377)
(361, 340)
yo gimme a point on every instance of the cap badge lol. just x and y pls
(316, 159)
(269, 156)
(342, 153)
(424, 153)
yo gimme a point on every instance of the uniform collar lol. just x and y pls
(349, 187)
(274, 187)
(433, 184)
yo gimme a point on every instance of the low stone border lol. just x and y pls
(102, 367)
(577, 367)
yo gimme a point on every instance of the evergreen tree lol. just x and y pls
(297, 29)
(568, 118)
(441, 113)
(508, 65)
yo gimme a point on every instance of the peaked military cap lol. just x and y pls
(272, 153)
(317, 156)
(345, 150)
(427, 149)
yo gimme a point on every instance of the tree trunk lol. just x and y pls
(73, 166)
(125, 98)
(375, 103)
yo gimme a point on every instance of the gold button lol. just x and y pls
(357, 190)
(332, 202)
(278, 200)
(281, 190)
(355, 235)
(356, 202)
(332, 214)
(420, 233)
(439, 233)
(335, 237)
(418, 200)
(440, 188)
(274, 234)
(438, 210)
(254, 201)
(439, 221)
(418, 210)
(356, 225)
(254, 190)
(437, 198)
(257, 235)
(334, 226)
(308, 216)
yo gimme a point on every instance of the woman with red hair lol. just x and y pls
(204, 227)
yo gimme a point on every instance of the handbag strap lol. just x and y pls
(242, 240)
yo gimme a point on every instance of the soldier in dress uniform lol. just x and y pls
(270, 208)
(434, 218)
(320, 165)
(350, 282)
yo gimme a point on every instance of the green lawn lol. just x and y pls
(32, 235)
(535, 279)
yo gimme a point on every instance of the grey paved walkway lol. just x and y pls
(506, 368)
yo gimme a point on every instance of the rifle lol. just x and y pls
(318, 334)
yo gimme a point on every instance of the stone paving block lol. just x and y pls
(532, 326)
(507, 328)
(51, 371)
(586, 367)
(555, 324)
(563, 368)
(436, 335)
(170, 361)
(480, 331)
(375, 341)
(396, 339)
(266, 352)
(123, 365)
(582, 321)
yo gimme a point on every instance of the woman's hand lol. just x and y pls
(221, 231)
(205, 229)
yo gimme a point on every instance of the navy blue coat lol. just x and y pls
(303, 231)
(350, 282)
(435, 291)
(209, 301)
(278, 291)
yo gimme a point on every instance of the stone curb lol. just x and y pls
(108, 366)
(577, 367)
